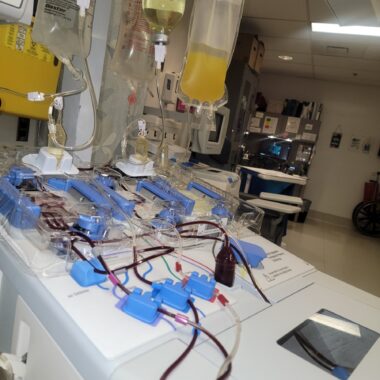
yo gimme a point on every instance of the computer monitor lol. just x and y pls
(276, 148)
(210, 141)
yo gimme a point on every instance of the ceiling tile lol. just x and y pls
(275, 9)
(355, 50)
(288, 44)
(285, 28)
(303, 59)
(345, 75)
(354, 12)
(349, 64)
(359, 82)
(272, 67)
(320, 12)
(372, 53)
(276, 28)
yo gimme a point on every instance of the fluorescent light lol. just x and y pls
(353, 30)
(271, 137)
(285, 57)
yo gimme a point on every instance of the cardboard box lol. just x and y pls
(260, 57)
(246, 49)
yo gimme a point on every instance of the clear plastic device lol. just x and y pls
(134, 53)
(58, 26)
(212, 37)
(90, 229)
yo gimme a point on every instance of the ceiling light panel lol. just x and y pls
(350, 30)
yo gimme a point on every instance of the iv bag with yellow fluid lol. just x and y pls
(212, 38)
(163, 15)
(204, 74)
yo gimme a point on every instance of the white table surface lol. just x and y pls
(275, 206)
(282, 198)
(274, 175)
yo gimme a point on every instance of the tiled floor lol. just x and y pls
(338, 251)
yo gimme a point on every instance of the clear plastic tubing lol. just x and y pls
(235, 348)
(87, 77)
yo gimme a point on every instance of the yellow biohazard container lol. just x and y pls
(25, 66)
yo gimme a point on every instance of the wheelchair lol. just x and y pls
(366, 215)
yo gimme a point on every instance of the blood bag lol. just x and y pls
(57, 27)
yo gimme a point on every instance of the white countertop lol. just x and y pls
(274, 175)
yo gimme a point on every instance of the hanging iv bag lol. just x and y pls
(134, 53)
(212, 38)
(163, 15)
(57, 26)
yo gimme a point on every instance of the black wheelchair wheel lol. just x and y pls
(366, 218)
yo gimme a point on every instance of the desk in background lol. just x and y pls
(257, 180)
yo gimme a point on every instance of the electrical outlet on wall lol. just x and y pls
(23, 129)
(153, 134)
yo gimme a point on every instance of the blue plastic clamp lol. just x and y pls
(201, 286)
(126, 205)
(93, 226)
(160, 190)
(154, 189)
(170, 216)
(107, 181)
(186, 202)
(19, 209)
(88, 191)
(173, 295)
(204, 190)
(18, 174)
(83, 273)
(221, 211)
(141, 306)
(253, 253)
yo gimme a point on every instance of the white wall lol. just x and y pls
(8, 131)
(337, 176)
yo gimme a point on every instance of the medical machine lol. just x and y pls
(102, 274)
(106, 275)
(210, 140)
(17, 11)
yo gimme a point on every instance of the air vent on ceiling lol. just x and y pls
(356, 12)
(337, 51)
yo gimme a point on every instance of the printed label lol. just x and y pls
(19, 37)
(67, 9)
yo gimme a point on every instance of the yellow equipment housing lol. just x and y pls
(25, 66)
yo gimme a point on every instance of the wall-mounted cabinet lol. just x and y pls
(295, 128)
